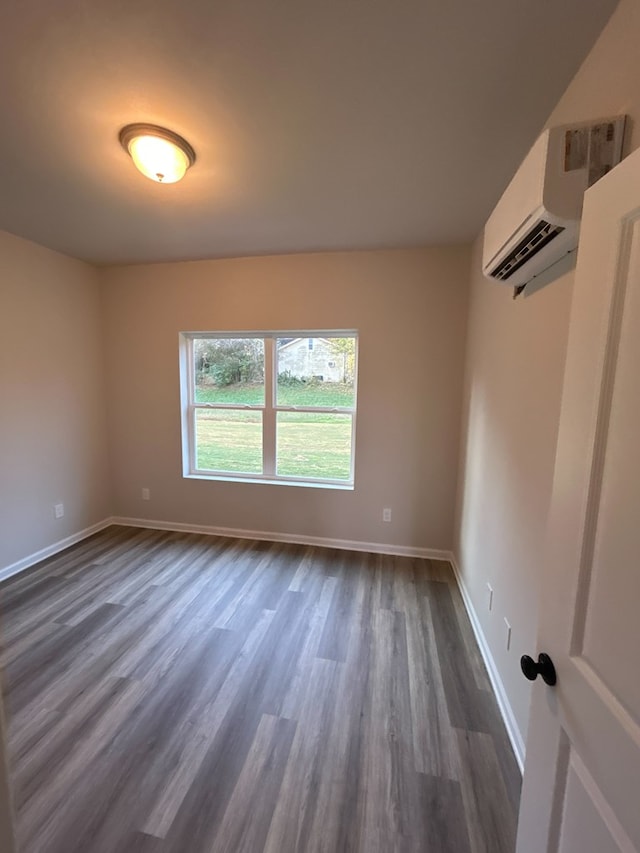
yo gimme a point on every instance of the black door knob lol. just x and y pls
(544, 667)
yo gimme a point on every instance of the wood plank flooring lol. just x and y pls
(177, 693)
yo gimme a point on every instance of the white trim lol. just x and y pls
(293, 538)
(55, 548)
(295, 334)
(508, 717)
(279, 480)
(269, 416)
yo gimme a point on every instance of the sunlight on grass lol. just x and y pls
(240, 394)
(312, 445)
(330, 394)
(229, 441)
(316, 446)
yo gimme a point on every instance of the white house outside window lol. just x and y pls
(274, 406)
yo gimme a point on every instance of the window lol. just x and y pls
(276, 407)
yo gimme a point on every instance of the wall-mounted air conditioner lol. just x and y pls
(537, 220)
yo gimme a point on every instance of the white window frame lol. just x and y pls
(269, 409)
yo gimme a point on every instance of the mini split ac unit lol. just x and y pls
(537, 220)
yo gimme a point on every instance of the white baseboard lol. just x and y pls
(508, 717)
(55, 548)
(293, 538)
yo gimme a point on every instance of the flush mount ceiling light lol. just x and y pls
(160, 154)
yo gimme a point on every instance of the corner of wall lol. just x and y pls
(506, 710)
(102, 277)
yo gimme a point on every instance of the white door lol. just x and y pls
(581, 790)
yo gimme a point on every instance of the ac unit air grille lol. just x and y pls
(541, 234)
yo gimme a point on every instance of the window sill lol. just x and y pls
(305, 484)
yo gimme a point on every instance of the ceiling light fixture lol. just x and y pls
(160, 154)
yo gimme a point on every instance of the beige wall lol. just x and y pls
(52, 412)
(513, 383)
(410, 310)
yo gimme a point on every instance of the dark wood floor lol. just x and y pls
(184, 693)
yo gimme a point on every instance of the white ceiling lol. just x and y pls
(332, 124)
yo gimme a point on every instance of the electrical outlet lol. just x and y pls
(386, 514)
(146, 494)
(489, 597)
(58, 510)
(508, 635)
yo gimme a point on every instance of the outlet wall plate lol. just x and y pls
(386, 514)
(58, 510)
(508, 632)
(489, 597)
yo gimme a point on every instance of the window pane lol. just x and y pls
(314, 445)
(229, 370)
(229, 440)
(316, 371)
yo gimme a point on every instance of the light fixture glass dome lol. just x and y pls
(158, 153)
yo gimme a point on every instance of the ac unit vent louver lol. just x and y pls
(535, 239)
